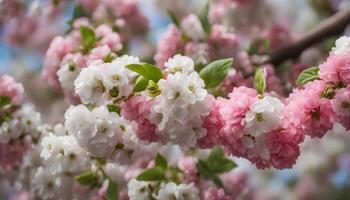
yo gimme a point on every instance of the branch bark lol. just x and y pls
(331, 26)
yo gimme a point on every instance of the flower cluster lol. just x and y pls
(67, 55)
(191, 38)
(124, 15)
(18, 124)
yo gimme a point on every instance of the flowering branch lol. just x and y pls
(331, 26)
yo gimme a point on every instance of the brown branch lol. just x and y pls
(331, 26)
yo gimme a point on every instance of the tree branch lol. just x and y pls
(331, 26)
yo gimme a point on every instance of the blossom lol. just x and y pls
(98, 131)
(199, 52)
(58, 48)
(188, 166)
(179, 192)
(214, 193)
(138, 110)
(222, 42)
(179, 63)
(341, 102)
(341, 106)
(63, 154)
(233, 111)
(342, 46)
(178, 110)
(10, 88)
(49, 186)
(66, 76)
(11, 154)
(309, 111)
(168, 45)
(139, 190)
(89, 85)
(264, 115)
(213, 123)
(192, 27)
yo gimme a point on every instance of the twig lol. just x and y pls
(331, 26)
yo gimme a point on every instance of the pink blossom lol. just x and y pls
(222, 43)
(198, 52)
(308, 111)
(341, 106)
(233, 111)
(58, 48)
(214, 193)
(335, 69)
(236, 183)
(213, 122)
(83, 21)
(101, 193)
(11, 154)
(138, 109)
(113, 41)
(188, 166)
(168, 45)
(278, 35)
(283, 146)
(99, 53)
(234, 79)
(10, 88)
(341, 102)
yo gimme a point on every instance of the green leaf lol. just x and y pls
(153, 174)
(203, 17)
(173, 18)
(267, 46)
(259, 81)
(4, 101)
(86, 178)
(161, 162)
(148, 71)
(113, 108)
(215, 154)
(88, 37)
(253, 48)
(215, 72)
(112, 190)
(140, 84)
(206, 173)
(307, 75)
(221, 165)
(218, 163)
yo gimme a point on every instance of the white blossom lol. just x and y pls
(100, 132)
(139, 190)
(63, 154)
(9, 130)
(47, 185)
(263, 116)
(66, 76)
(192, 27)
(179, 109)
(171, 191)
(30, 119)
(89, 85)
(342, 46)
(179, 63)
